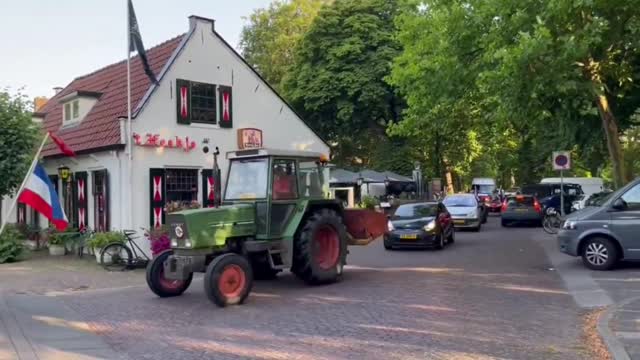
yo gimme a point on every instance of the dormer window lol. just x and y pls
(72, 110)
(76, 105)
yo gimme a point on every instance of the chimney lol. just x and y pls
(193, 19)
(39, 102)
(57, 89)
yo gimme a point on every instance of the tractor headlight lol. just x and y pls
(187, 243)
(174, 242)
(390, 226)
(430, 226)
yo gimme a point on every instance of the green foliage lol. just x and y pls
(18, 137)
(337, 80)
(507, 82)
(369, 202)
(102, 239)
(11, 247)
(269, 40)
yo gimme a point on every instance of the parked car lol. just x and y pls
(424, 224)
(495, 206)
(607, 232)
(466, 211)
(521, 208)
(548, 194)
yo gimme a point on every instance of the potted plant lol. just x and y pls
(159, 239)
(98, 241)
(11, 247)
(57, 244)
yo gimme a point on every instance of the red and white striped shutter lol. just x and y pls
(157, 197)
(226, 106)
(208, 188)
(81, 199)
(183, 101)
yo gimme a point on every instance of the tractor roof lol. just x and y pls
(249, 153)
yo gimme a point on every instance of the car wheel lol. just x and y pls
(477, 229)
(387, 244)
(599, 254)
(452, 237)
(504, 223)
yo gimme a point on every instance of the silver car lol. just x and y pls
(465, 211)
(606, 231)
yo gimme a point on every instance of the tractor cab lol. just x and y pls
(276, 182)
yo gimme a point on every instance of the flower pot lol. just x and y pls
(56, 250)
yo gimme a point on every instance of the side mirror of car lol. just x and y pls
(619, 204)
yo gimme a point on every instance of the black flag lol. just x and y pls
(135, 43)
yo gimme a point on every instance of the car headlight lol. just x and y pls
(174, 242)
(390, 226)
(569, 225)
(471, 214)
(430, 226)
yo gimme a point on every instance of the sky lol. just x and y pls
(48, 43)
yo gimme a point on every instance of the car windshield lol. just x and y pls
(520, 201)
(416, 210)
(460, 201)
(247, 179)
(484, 189)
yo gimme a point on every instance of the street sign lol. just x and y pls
(561, 160)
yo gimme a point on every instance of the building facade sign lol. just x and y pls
(172, 142)
(249, 138)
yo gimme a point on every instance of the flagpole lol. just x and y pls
(129, 132)
(24, 182)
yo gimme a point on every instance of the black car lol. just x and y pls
(521, 209)
(420, 225)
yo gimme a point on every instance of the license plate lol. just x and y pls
(409, 236)
(458, 222)
(522, 210)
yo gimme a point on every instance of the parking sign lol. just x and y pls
(561, 160)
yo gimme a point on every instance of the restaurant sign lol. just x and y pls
(172, 142)
(249, 138)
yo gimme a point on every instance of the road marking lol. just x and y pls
(583, 288)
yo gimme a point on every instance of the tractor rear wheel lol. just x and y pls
(320, 249)
(228, 280)
(159, 284)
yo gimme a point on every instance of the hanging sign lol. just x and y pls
(561, 160)
(249, 138)
(173, 142)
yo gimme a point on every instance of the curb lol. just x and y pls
(615, 346)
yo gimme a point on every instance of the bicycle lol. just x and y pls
(552, 221)
(123, 256)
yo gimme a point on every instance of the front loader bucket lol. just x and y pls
(364, 225)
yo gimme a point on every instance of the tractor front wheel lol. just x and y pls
(159, 284)
(320, 248)
(228, 280)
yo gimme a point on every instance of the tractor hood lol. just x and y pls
(209, 227)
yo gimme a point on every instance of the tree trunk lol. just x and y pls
(610, 127)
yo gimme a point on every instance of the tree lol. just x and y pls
(555, 74)
(18, 136)
(269, 40)
(337, 80)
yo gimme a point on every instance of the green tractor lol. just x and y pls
(275, 216)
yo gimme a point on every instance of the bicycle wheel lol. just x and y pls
(116, 257)
(550, 224)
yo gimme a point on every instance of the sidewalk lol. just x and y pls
(42, 328)
(623, 323)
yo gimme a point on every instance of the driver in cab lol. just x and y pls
(284, 185)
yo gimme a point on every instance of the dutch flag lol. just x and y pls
(40, 194)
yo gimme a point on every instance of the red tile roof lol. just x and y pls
(100, 128)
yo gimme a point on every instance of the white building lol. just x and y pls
(206, 95)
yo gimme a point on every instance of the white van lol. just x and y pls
(589, 186)
(483, 185)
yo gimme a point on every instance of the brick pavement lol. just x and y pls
(489, 296)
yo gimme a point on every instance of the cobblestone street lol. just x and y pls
(491, 295)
